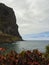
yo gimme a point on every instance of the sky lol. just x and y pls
(32, 18)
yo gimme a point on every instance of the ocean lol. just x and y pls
(26, 45)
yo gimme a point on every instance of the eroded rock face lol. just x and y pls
(8, 21)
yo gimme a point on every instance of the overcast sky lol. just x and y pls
(32, 16)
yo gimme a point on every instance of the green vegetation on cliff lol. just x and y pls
(4, 38)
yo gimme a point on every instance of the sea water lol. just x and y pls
(26, 45)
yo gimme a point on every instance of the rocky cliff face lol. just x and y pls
(8, 21)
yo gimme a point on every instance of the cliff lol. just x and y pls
(8, 22)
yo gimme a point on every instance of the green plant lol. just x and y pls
(47, 49)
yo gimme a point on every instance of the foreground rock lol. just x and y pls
(8, 23)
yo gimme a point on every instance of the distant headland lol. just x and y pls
(8, 27)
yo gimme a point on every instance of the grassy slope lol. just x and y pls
(8, 38)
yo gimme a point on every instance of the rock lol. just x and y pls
(8, 21)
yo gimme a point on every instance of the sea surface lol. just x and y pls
(26, 45)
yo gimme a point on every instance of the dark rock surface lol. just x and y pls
(8, 21)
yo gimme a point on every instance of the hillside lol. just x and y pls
(6, 38)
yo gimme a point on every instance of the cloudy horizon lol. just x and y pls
(32, 17)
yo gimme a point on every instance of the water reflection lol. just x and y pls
(9, 47)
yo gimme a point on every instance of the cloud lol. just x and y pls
(36, 16)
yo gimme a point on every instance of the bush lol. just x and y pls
(47, 49)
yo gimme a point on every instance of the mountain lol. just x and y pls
(8, 22)
(37, 36)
